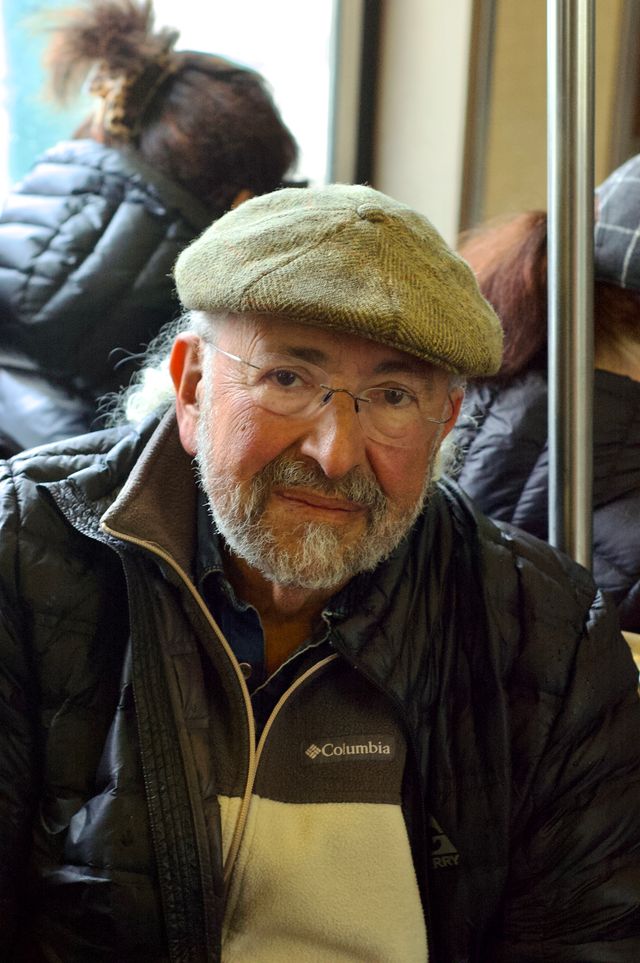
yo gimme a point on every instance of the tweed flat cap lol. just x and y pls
(348, 258)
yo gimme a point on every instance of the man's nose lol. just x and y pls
(334, 438)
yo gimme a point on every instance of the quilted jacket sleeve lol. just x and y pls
(502, 458)
(17, 731)
(573, 892)
(50, 223)
(87, 244)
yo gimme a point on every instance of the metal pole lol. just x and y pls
(481, 59)
(570, 64)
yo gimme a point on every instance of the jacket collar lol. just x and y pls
(129, 163)
(157, 505)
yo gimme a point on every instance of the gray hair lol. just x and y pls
(151, 389)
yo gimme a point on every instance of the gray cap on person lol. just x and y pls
(617, 228)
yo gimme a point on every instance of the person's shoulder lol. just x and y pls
(500, 447)
(525, 575)
(96, 462)
(84, 168)
(496, 412)
(531, 555)
(67, 159)
(87, 153)
(521, 393)
(62, 181)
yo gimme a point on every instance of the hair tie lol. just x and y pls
(128, 96)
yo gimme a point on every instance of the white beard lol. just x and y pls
(321, 558)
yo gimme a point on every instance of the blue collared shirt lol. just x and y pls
(241, 626)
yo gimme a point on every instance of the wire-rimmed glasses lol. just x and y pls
(391, 413)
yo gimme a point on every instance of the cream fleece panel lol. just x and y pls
(322, 883)
(230, 807)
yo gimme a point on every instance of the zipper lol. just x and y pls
(431, 954)
(285, 695)
(239, 832)
(252, 764)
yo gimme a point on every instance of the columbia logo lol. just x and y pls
(354, 748)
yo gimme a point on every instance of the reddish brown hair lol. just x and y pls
(509, 258)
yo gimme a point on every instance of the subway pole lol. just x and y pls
(570, 111)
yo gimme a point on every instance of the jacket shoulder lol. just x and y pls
(508, 550)
(537, 597)
(97, 463)
(79, 195)
(501, 442)
(46, 562)
(539, 568)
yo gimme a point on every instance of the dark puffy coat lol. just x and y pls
(87, 243)
(515, 689)
(503, 466)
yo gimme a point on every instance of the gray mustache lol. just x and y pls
(354, 487)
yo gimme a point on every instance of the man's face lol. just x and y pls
(310, 499)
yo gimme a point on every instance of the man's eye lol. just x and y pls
(284, 378)
(392, 397)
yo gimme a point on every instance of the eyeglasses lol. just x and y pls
(390, 413)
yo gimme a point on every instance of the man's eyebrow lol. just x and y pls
(311, 355)
(390, 366)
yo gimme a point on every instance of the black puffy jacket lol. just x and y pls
(87, 243)
(503, 466)
(514, 687)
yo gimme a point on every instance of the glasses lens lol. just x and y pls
(390, 412)
(285, 387)
(398, 416)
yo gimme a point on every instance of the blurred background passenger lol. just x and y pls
(89, 237)
(503, 458)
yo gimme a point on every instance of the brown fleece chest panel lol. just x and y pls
(334, 739)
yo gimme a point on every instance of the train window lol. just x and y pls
(295, 58)
(506, 148)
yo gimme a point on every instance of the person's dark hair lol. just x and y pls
(203, 121)
(509, 258)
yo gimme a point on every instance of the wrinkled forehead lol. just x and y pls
(254, 334)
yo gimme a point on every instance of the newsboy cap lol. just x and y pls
(351, 259)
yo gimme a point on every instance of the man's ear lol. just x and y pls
(241, 197)
(185, 367)
(456, 397)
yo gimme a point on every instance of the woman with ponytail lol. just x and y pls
(89, 237)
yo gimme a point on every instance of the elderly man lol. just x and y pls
(271, 694)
